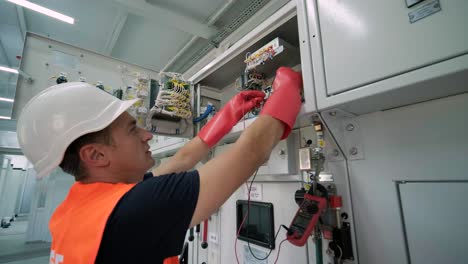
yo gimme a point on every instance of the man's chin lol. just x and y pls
(152, 162)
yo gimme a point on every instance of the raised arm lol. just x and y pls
(197, 149)
(221, 176)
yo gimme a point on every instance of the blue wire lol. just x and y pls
(208, 111)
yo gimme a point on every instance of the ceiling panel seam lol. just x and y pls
(169, 18)
(118, 25)
(211, 21)
(248, 12)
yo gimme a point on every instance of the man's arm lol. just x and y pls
(221, 176)
(194, 151)
(185, 159)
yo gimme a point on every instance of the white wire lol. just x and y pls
(341, 253)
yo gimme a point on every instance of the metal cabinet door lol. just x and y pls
(366, 41)
(434, 217)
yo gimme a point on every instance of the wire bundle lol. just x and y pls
(174, 98)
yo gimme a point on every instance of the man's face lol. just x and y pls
(130, 154)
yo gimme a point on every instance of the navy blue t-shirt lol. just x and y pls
(150, 221)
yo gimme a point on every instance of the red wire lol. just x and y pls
(205, 230)
(242, 223)
(279, 249)
(248, 203)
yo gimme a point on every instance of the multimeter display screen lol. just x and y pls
(301, 221)
(258, 228)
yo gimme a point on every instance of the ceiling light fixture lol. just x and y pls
(44, 10)
(8, 69)
(6, 99)
(5, 117)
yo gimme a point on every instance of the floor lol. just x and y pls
(39, 260)
(15, 250)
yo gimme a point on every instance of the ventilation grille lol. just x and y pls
(234, 24)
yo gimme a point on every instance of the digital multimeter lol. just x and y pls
(305, 219)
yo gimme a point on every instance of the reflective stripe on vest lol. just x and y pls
(78, 223)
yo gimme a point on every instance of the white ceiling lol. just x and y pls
(11, 41)
(149, 38)
(148, 33)
(148, 44)
(93, 22)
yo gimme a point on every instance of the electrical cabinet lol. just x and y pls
(219, 81)
(373, 55)
(283, 158)
(278, 178)
(288, 24)
(45, 60)
(163, 146)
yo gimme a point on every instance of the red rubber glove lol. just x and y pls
(285, 101)
(229, 115)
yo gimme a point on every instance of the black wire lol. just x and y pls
(248, 219)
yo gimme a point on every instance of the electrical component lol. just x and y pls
(207, 111)
(265, 53)
(100, 85)
(118, 93)
(184, 259)
(5, 223)
(336, 203)
(161, 126)
(268, 91)
(191, 236)
(62, 78)
(259, 226)
(305, 159)
(319, 131)
(204, 243)
(142, 110)
(250, 80)
(172, 105)
(174, 96)
(306, 218)
(342, 243)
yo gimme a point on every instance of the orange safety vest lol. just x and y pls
(78, 223)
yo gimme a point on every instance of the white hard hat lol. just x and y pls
(60, 114)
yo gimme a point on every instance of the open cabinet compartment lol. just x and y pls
(220, 76)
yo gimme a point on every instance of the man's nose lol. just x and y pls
(147, 136)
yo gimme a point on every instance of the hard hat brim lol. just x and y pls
(46, 165)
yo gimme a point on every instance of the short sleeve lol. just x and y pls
(154, 215)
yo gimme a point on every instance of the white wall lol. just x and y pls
(18, 161)
(11, 191)
(4, 164)
(18, 186)
(28, 192)
(45, 58)
(49, 193)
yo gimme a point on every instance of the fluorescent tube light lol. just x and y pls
(7, 99)
(8, 69)
(44, 10)
(5, 117)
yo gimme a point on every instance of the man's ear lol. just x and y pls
(93, 155)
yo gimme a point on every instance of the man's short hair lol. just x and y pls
(71, 162)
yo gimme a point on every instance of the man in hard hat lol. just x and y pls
(112, 214)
